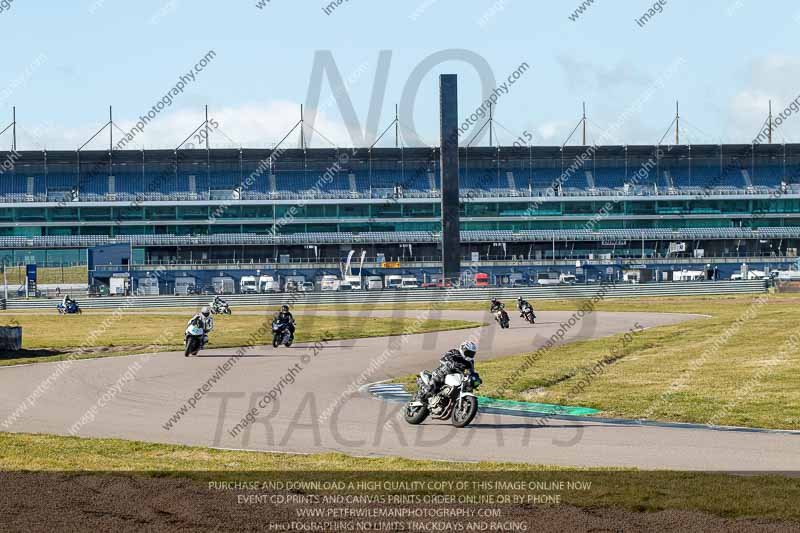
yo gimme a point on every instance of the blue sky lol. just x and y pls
(70, 60)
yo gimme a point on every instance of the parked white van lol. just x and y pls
(267, 283)
(409, 282)
(393, 281)
(248, 285)
(329, 283)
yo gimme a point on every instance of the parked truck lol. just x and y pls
(373, 283)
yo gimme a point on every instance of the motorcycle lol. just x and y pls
(193, 339)
(281, 334)
(502, 318)
(72, 308)
(528, 314)
(220, 309)
(455, 400)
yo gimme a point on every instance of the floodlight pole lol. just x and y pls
(207, 132)
(14, 128)
(583, 120)
(110, 130)
(490, 125)
(677, 124)
(302, 128)
(769, 123)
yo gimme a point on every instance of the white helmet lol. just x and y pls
(468, 350)
(205, 311)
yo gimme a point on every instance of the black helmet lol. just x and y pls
(519, 298)
(284, 309)
(494, 300)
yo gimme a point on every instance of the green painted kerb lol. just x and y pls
(529, 407)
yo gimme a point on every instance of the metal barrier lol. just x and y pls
(569, 292)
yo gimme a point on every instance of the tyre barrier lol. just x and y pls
(10, 338)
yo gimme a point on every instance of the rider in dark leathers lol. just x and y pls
(457, 360)
(497, 305)
(285, 317)
(521, 305)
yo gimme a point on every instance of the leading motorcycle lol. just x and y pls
(193, 339)
(72, 308)
(455, 400)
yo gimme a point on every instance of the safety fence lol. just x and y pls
(569, 292)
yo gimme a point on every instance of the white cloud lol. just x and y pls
(772, 78)
(247, 126)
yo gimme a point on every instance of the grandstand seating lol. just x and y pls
(194, 180)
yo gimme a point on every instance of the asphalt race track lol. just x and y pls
(313, 414)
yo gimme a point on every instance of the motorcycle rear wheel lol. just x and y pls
(465, 412)
(417, 416)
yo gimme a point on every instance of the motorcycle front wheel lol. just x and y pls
(192, 346)
(465, 411)
(415, 415)
(276, 340)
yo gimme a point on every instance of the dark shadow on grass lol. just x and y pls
(28, 354)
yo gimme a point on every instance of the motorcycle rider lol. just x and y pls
(205, 321)
(521, 304)
(456, 360)
(497, 305)
(285, 317)
(218, 303)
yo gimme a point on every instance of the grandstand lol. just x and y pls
(517, 203)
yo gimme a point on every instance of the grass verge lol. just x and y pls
(57, 337)
(739, 367)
